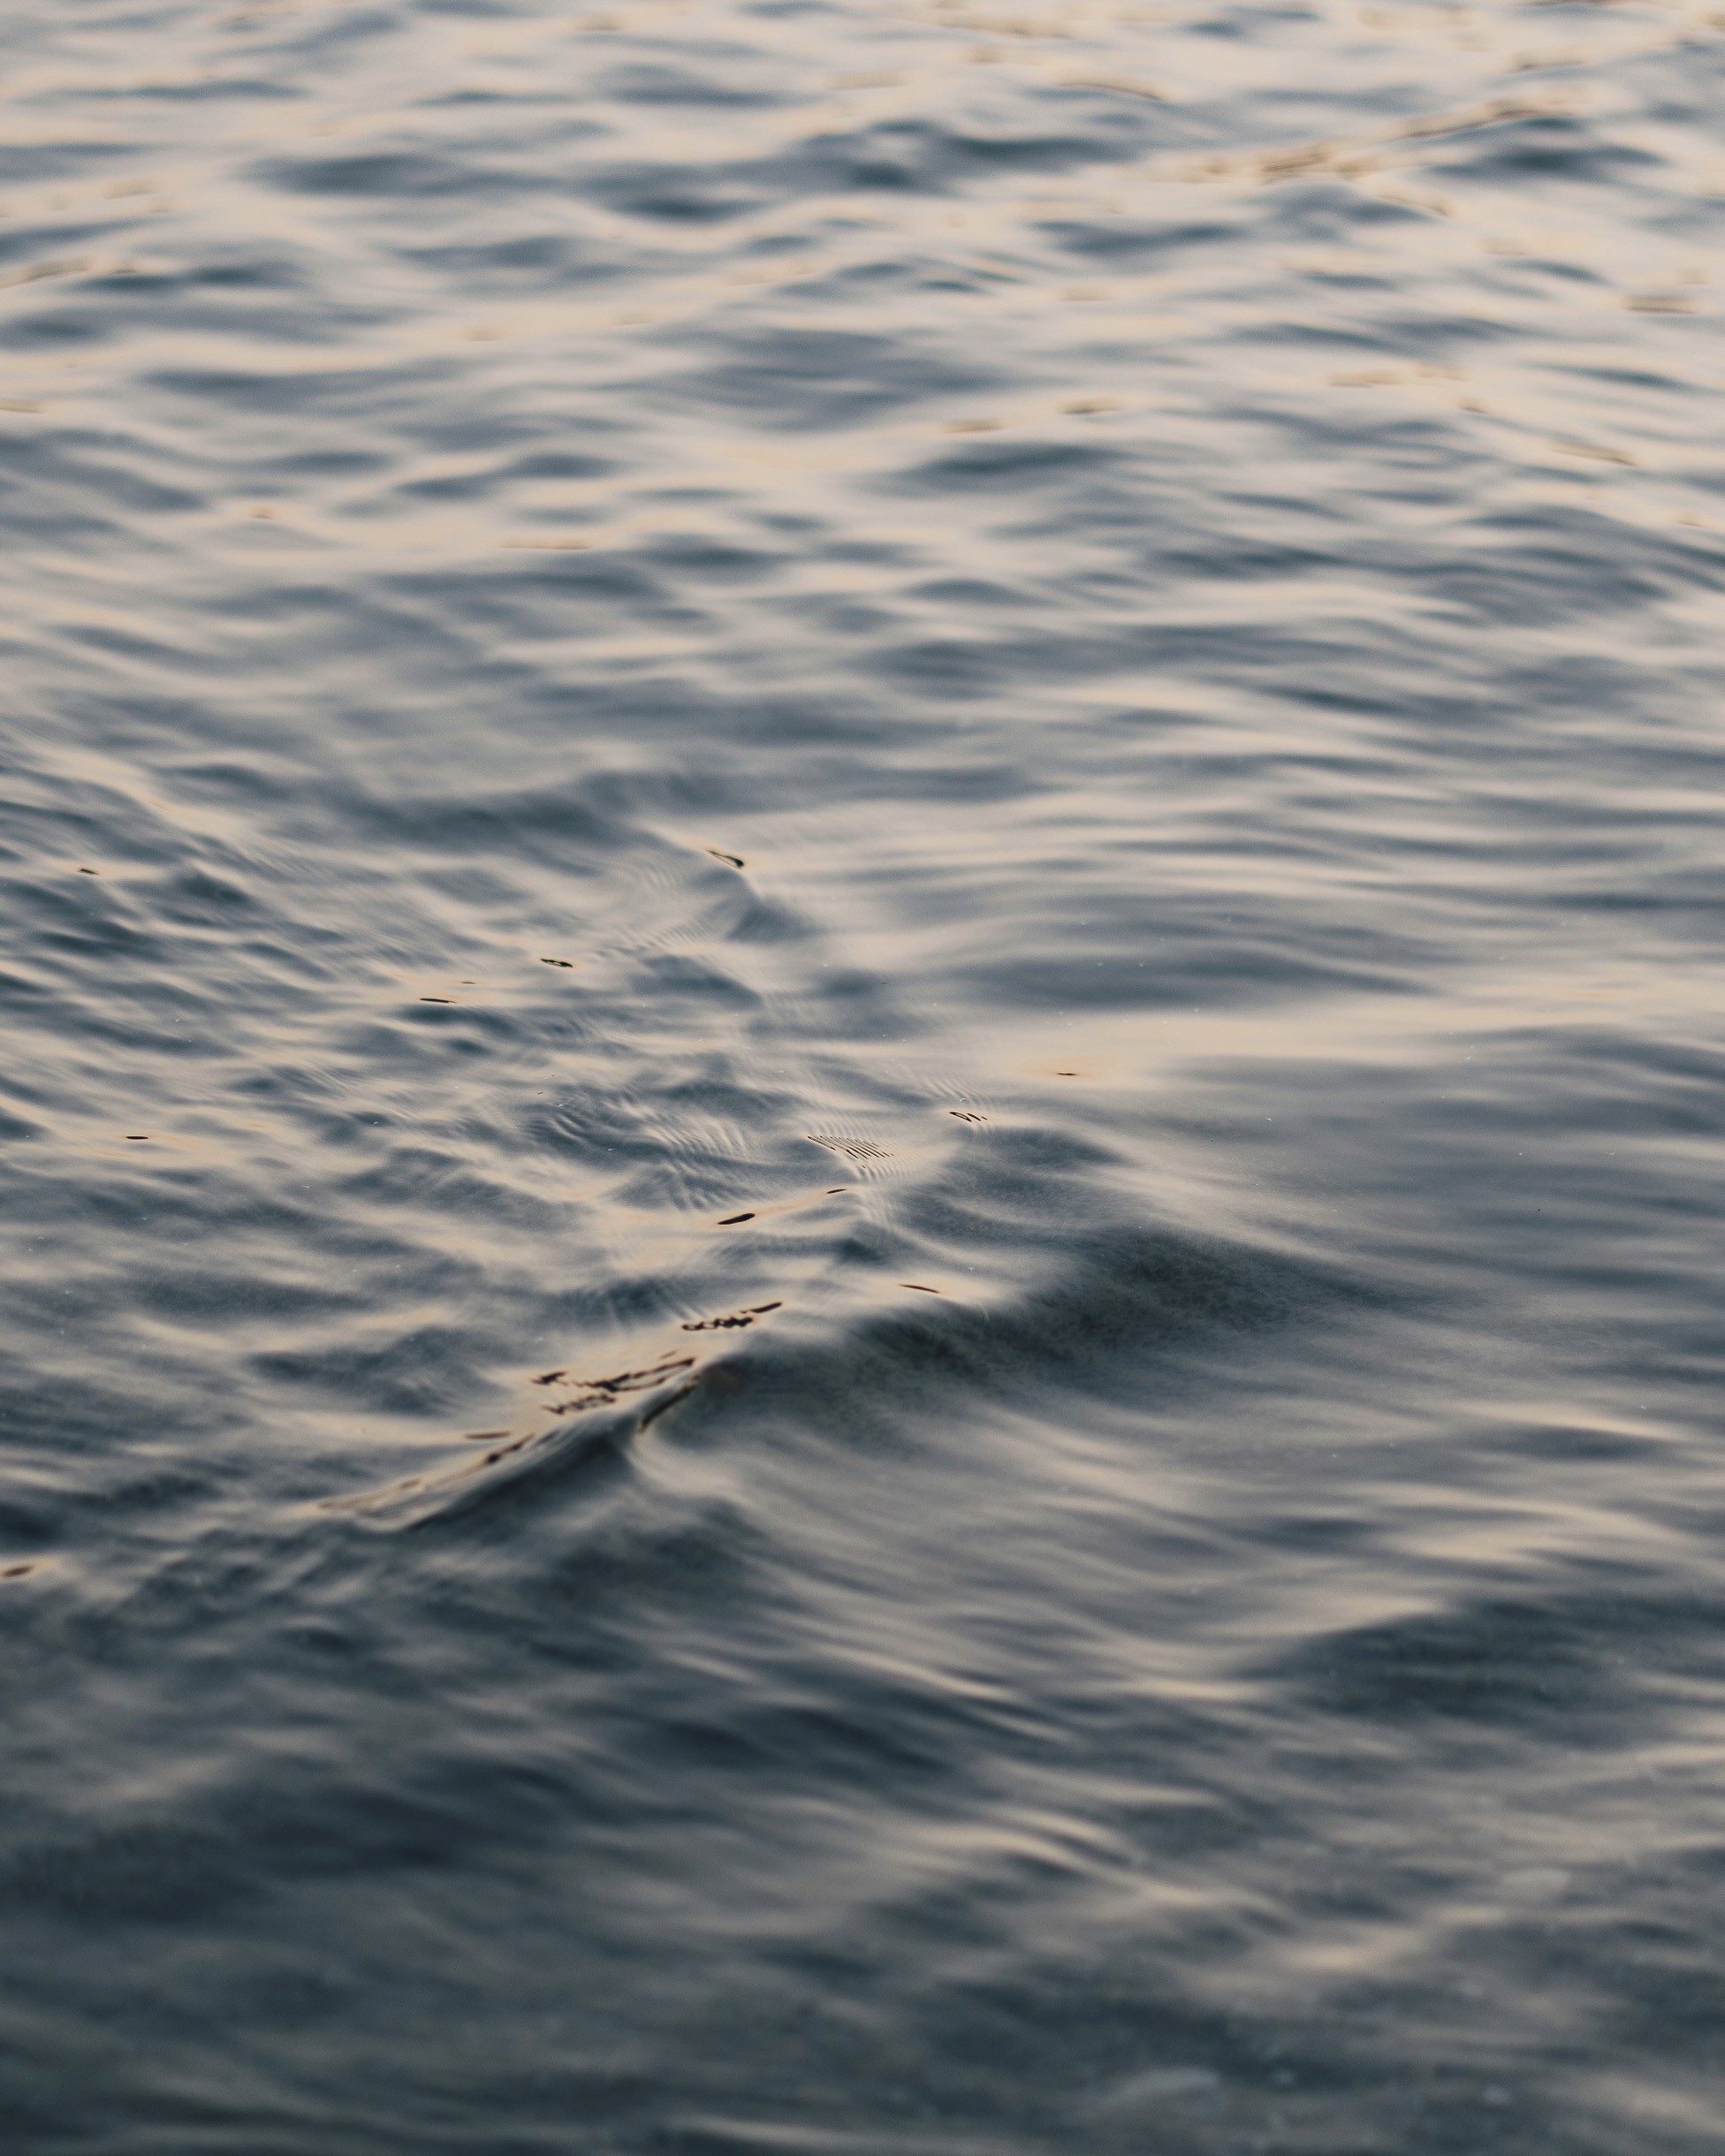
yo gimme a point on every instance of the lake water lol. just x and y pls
(862, 1079)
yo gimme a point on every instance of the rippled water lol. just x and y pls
(862, 1079)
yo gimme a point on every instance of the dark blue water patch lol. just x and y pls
(670, 194)
(419, 1372)
(1011, 464)
(555, 821)
(189, 1294)
(1125, 241)
(1322, 210)
(70, 485)
(40, 163)
(1557, 151)
(213, 89)
(1114, 1297)
(931, 158)
(74, 924)
(15, 1129)
(1158, 965)
(198, 897)
(235, 290)
(1531, 277)
(1559, 1669)
(131, 1875)
(335, 393)
(525, 261)
(644, 82)
(822, 379)
(704, 559)
(936, 667)
(57, 326)
(1547, 563)
(403, 175)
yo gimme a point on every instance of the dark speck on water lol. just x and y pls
(1188, 540)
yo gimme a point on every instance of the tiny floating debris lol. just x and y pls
(89, 872)
(635, 1380)
(437, 999)
(918, 1285)
(137, 1137)
(567, 964)
(604, 1392)
(967, 1115)
(735, 859)
(484, 1437)
(16, 1572)
(731, 1323)
(736, 1219)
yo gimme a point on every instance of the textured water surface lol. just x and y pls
(862, 1079)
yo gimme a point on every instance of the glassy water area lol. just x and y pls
(862, 1078)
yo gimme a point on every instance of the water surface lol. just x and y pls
(862, 1079)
